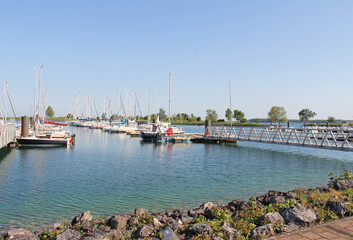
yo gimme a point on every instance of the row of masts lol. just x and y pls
(128, 106)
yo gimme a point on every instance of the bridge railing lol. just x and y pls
(333, 138)
(7, 134)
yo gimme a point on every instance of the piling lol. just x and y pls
(24, 126)
(207, 127)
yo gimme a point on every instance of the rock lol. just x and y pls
(145, 231)
(52, 227)
(343, 184)
(156, 223)
(201, 228)
(230, 233)
(168, 233)
(176, 225)
(83, 217)
(289, 228)
(184, 213)
(299, 215)
(118, 221)
(237, 205)
(208, 205)
(21, 234)
(141, 212)
(274, 217)
(273, 197)
(68, 234)
(262, 231)
(186, 219)
(103, 235)
(133, 222)
(339, 208)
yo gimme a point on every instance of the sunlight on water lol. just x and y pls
(113, 173)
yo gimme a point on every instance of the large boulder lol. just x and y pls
(69, 234)
(103, 235)
(141, 212)
(145, 231)
(290, 227)
(274, 197)
(237, 205)
(168, 233)
(230, 233)
(208, 205)
(262, 231)
(299, 215)
(19, 234)
(201, 228)
(118, 221)
(339, 208)
(342, 184)
(83, 217)
(274, 217)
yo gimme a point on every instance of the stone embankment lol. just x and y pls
(273, 213)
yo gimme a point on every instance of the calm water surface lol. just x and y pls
(113, 173)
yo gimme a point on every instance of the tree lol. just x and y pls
(162, 115)
(198, 119)
(49, 112)
(69, 116)
(277, 115)
(238, 115)
(114, 116)
(211, 115)
(331, 119)
(305, 114)
(104, 116)
(229, 114)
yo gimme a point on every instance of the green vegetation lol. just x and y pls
(331, 119)
(211, 115)
(240, 116)
(305, 114)
(347, 175)
(49, 112)
(229, 114)
(277, 115)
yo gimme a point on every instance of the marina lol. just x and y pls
(107, 173)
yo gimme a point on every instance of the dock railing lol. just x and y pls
(7, 134)
(329, 138)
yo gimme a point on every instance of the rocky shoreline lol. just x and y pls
(267, 215)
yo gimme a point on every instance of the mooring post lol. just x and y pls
(207, 127)
(24, 126)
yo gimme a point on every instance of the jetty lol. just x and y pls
(7, 134)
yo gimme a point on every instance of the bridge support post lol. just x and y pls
(24, 126)
(207, 127)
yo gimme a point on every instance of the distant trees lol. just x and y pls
(229, 114)
(239, 115)
(69, 116)
(331, 119)
(277, 115)
(49, 112)
(305, 114)
(162, 115)
(211, 115)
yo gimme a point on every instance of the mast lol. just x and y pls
(149, 107)
(230, 103)
(5, 101)
(35, 92)
(135, 108)
(170, 80)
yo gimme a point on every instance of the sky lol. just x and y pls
(295, 54)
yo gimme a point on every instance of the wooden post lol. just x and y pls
(24, 126)
(207, 127)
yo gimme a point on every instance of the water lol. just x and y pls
(113, 173)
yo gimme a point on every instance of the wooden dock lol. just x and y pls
(7, 134)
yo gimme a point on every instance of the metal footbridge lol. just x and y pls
(326, 138)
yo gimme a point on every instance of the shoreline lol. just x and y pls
(272, 213)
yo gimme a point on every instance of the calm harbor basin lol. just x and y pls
(113, 173)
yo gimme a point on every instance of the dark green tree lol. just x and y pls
(69, 116)
(162, 116)
(211, 115)
(277, 115)
(49, 112)
(331, 119)
(305, 114)
(229, 114)
(238, 115)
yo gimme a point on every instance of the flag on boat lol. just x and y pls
(170, 131)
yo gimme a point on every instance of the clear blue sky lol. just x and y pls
(295, 54)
